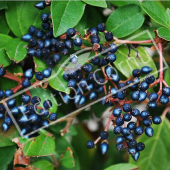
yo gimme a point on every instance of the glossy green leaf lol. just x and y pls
(125, 20)
(101, 3)
(3, 5)
(167, 76)
(6, 156)
(21, 14)
(156, 11)
(16, 49)
(156, 154)
(126, 64)
(4, 58)
(65, 15)
(164, 33)
(40, 146)
(4, 29)
(6, 137)
(122, 3)
(122, 166)
(43, 165)
(67, 159)
(45, 94)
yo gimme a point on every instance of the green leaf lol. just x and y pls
(167, 76)
(6, 137)
(6, 156)
(125, 20)
(16, 49)
(156, 153)
(122, 3)
(21, 14)
(101, 3)
(156, 11)
(127, 64)
(4, 58)
(4, 29)
(3, 5)
(164, 33)
(67, 160)
(45, 94)
(43, 165)
(40, 146)
(65, 15)
(122, 166)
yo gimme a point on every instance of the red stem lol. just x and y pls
(12, 78)
(165, 112)
(15, 89)
(132, 42)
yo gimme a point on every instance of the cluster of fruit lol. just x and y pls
(28, 115)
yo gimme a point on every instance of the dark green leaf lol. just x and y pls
(16, 49)
(40, 146)
(156, 153)
(164, 33)
(3, 5)
(125, 20)
(127, 64)
(43, 165)
(6, 156)
(122, 166)
(45, 94)
(101, 3)
(65, 15)
(156, 11)
(21, 14)
(4, 29)
(4, 58)
(167, 76)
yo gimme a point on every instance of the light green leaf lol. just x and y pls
(122, 166)
(43, 165)
(156, 153)
(101, 3)
(65, 15)
(125, 20)
(122, 3)
(164, 33)
(3, 5)
(4, 29)
(156, 11)
(4, 58)
(127, 64)
(40, 146)
(16, 49)
(21, 14)
(6, 156)
(167, 76)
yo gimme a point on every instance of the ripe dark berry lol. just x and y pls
(136, 73)
(46, 73)
(119, 146)
(8, 120)
(73, 59)
(11, 103)
(47, 104)
(132, 151)
(26, 99)
(83, 83)
(2, 71)
(121, 95)
(95, 39)
(5, 127)
(72, 83)
(117, 130)
(153, 97)
(53, 117)
(35, 100)
(26, 37)
(44, 17)
(120, 139)
(71, 32)
(131, 125)
(23, 119)
(65, 51)
(40, 5)
(149, 131)
(127, 117)
(45, 123)
(93, 96)
(135, 95)
(109, 36)
(82, 100)
(117, 112)
(143, 86)
(156, 120)
(8, 93)
(78, 42)
(145, 114)
(146, 70)
(147, 122)
(90, 87)
(38, 33)
(60, 45)
(68, 44)
(129, 137)
(115, 78)
(104, 135)
(119, 121)
(152, 105)
(95, 60)
(150, 79)
(28, 74)
(26, 83)
(31, 52)
(164, 100)
(142, 96)
(32, 109)
(108, 70)
(126, 131)
(104, 51)
(135, 112)
(1, 94)
(39, 76)
(2, 115)
(87, 68)
(56, 58)
(32, 42)
(103, 61)
(136, 156)
(166, 91)
(92, 31)
(90, 144)
(15, 111)
(112, 47)
(101, 27)
(140, 146)
(132, 144)
(104, 147)
(111, 57)
(44, 113)
(31, 29)
(127, 108)
(139, 130)
(33, 118)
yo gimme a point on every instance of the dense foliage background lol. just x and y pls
(126, 19)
